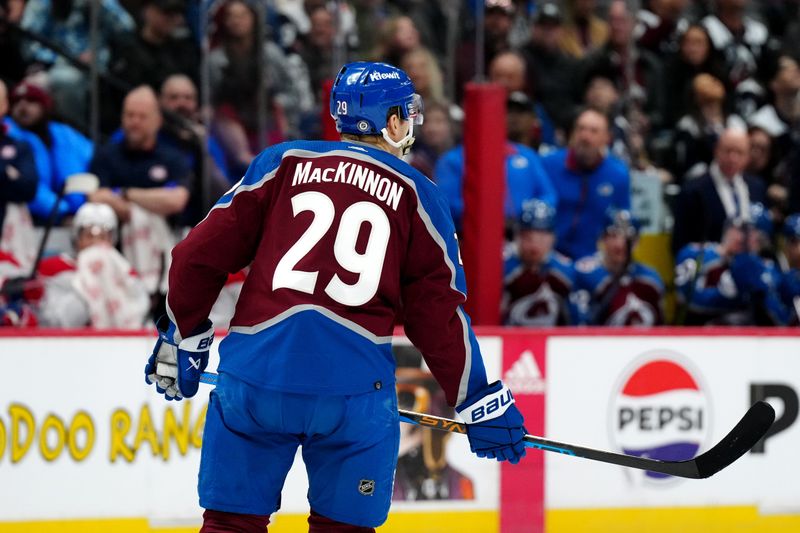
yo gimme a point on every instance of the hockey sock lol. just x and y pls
(222, 522)
(320, 524)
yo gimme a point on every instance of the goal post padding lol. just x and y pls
(484, 196)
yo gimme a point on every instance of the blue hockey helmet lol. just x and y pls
(791, 226)
(620, 220)
(761, 218)
(537, 215)
(364, 93)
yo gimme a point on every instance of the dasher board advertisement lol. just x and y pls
(83, 437)
(671, 398)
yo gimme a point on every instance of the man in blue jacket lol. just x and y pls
(59, 150)
(588, 183)
(525, 179)
(18, 176)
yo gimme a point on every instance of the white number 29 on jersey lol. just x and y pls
(367, 265)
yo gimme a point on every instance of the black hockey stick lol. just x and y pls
(750, 429)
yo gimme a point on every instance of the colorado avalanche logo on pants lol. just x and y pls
(660, 411)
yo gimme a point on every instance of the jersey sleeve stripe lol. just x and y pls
(177, 337)
(352, 326)
(463, 386)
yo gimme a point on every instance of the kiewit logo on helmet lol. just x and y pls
(375, 76)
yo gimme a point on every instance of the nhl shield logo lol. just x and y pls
(366, 487)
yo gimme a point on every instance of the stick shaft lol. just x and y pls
(750, 429)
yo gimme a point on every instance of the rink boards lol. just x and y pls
(86, 446)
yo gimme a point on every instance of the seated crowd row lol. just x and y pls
(569, 213)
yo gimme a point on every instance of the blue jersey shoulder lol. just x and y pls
(705, 252)
(647, 273)
(562, 264)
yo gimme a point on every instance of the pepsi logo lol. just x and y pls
(660, 411)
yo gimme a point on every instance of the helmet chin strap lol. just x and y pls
(404, 144)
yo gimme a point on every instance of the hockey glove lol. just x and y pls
(494, 424)
(175, 367)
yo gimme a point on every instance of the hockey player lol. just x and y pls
(343, 238)
(538, 280)
(789, 287)
(611, 289)
(727, 283)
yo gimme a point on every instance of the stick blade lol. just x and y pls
(751, 428)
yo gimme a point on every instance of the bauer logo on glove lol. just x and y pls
(175, 365)
(494, 424)
(494, 405)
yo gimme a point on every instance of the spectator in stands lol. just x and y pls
(584, 31)
(400, 36)
(694, 56)
(760, 162)
(636, 73)
(789, 287)
(527, 123)
(97, 287)
(508, 70)
(746, 47)
(371, 18)
(538, 281)
(430, 20)
(791, 38)
(658, 26)
(18, 176)
(782, 115)
(723, 192)
(316, 48)
(762, 165)
(436, 136)
(498, 17)
(525, 179)
(13, 66)
(59, 150)
(68, 24)
(138, 169)
(588, 181)
(611, 289)
(295, 20)
(284, 95)
(161, 47)
(184, 131)
(602, 95)
(727, 283)
(551, 73)
(144, 181)
(425, 73)
(696, 133)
